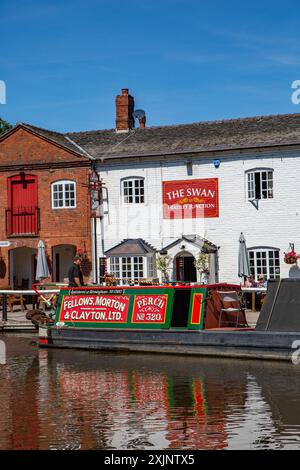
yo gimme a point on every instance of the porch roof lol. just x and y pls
(131, 246)
(205, 245)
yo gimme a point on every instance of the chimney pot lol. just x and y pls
(142, 122)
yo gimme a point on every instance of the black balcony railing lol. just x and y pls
(22, 221)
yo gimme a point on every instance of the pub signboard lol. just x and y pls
(191, 199)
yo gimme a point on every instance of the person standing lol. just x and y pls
(75, 274)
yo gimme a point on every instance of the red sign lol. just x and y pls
(197, 309)
(150, 308)
(191, 199)
(94, 308)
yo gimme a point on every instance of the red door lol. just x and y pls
(22, 205)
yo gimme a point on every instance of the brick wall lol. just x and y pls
(57, 226)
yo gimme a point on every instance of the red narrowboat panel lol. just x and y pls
(150, 308)
(197, 309)
(94, 308)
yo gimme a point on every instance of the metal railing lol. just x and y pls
(6, 293)
(22, 221)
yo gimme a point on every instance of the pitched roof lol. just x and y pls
(131, 246)
(203, 244)
(210, 136)
(260, 131)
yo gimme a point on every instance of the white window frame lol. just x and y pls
(63, 183)
(267, 268)
(118, 263)
(268, 190)
(136, 195)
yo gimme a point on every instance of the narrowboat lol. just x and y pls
(204, 320)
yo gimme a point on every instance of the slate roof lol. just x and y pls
(260, 131)
(210, 136)
(131, 246)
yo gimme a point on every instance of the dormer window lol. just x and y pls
(133, 190)
(259, 184)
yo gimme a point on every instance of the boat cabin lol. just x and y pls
(196, 307)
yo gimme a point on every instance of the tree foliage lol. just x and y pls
(4, 126)
(163, 264)
(202, 263)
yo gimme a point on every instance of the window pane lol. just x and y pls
(133, 191)
(64, 194)
(260, 184)
(265, 262)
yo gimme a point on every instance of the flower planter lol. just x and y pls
(291, 261)
(291, 257)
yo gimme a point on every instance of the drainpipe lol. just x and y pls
(98, 251)
(95, 251)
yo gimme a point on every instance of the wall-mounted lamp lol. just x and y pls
(217, 163)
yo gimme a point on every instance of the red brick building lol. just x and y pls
(44, 196)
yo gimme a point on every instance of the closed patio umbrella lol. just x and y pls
(42, 270)
(244, 265)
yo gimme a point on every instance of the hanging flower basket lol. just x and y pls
(291, 257)
(82, 253)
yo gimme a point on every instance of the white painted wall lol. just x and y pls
(276, 223)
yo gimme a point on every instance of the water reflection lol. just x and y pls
(62, 399)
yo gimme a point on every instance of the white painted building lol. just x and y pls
(251, 167)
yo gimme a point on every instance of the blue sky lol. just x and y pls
(184, 61)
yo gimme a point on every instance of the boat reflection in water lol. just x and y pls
(68, 399)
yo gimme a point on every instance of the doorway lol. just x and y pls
(180, 314)
(22, 262)
(185, 268)
(62, 256)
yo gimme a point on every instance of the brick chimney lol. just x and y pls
(124, 111)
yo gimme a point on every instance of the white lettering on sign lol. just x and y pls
(175, 194)
(156, 301)
(92, 316)
(199, 192)
(97, 301)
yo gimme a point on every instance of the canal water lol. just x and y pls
(67, 399)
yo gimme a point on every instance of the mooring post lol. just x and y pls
(4, 307)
